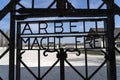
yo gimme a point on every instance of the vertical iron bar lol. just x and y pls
(86, 64)
(62, 66)
(12, 43)
(18, 55)
(59, 43)
(76, 42)
(48, 43)
(38, 64)
(33, 3)
(84, 26)
(94, 41)
(88, 4)
(29, 46)
(96, 26)
(21, 44)
(111, 62)
(54, 43)
(84, 43)
(61, 4)
(103, 42)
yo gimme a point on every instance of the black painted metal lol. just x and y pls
(61, 52)
(18, 57)
(9, 7)
(1, 78)
(4, 34)
(62, 56)
(12, 42)
(63, 9)
(111, 44)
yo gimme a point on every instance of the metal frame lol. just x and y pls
(61, 52)
(63, 10)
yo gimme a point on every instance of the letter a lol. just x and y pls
(27, 28)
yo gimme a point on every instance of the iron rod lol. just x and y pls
(12, 43)
(86, 64)
(18, 54)
(110, 27)
(39, 64)
(62, 65)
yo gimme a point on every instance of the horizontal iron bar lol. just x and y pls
(97, 48)
(40, 12)
(79, 34)
(64, 20)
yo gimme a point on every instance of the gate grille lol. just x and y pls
(7, 49)
(56, 41)
(25, 35)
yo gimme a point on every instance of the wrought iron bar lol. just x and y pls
(1, 78)
(33, 2)
(63, 8)
(50, 69)
(12, 38)
(97, 69)
(4, 53)
(29, 69)
(88, 4)
(110, 27)
(61, 4)
(39, 60)
(74, 50)
(28, 13)
(117, 36)
(50, 50)
(75, 69)
(4, 35)
(65, 20)
(18, 54)
(101, 5)
(117, 50)
(86, 64)
(62, 56)
(52, 4)
(21, 5)
(9, 7)
(70, 6)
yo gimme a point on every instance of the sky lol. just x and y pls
(4, 23)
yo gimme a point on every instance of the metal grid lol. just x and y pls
(64, 8)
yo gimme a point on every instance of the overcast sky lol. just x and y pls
(4, 23)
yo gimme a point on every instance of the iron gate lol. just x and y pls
(54, 41)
